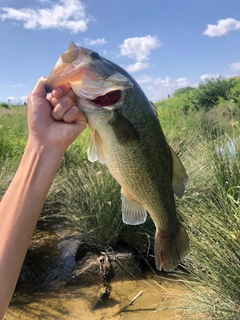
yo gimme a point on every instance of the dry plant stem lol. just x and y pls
(135, 298)
(131, 302)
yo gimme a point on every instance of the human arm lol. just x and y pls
(51, 131)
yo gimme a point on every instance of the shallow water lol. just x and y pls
(157, 301)
(42, 292)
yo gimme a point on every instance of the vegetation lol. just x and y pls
(208, 143)
(4, 105)
(202, 125)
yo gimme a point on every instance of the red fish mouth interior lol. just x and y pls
(108, 99)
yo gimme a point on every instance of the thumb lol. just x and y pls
(39, 90)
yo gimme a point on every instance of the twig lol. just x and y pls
(135, 298)
(131, 302)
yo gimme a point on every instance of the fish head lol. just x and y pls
(89, 75)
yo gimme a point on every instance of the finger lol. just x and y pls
(39, 90)
(60, 109)
(61, 91)
(73, 115)
(54, 102)
(70, 95)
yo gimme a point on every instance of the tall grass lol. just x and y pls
(211, 207)
(13, 132)
(87, 199)
(91, 205)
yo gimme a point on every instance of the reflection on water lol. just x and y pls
(158, 301)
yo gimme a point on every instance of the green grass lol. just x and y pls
(13, 131)
(87, 199)
(92, 207)
(211, 209)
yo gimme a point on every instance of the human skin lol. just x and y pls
(53, 123)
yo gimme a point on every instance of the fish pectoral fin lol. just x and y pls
(132, 212)
(95, 148)
(123, 129)
(179, 175)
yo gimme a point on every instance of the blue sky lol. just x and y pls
(165, 45)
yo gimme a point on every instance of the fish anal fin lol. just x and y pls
(179, 174)
(132, 212)
(170, 249)
(123, 129)
(96, 148)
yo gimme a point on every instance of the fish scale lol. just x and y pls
(127, 137)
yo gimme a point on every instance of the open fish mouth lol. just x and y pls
(90, 76)
(107, 99)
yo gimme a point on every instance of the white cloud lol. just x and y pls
(94, 42)
(11, 98)
(69, 15)
(163, 82)
(17, 85)
(204, 77)
(144, 79)
(182, 82)
(139, 48)
(138, 66)
(44, 1)
(223, 27)
(162, 88)
(235, 66)
(23, 99)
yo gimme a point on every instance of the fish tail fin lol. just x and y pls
(170, 249)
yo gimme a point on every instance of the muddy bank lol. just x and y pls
(158, 301)
(100, 285)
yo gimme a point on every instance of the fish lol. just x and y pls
(127, 137)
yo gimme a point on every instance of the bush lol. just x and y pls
(182, 90)
(207, 94)
(4, 105)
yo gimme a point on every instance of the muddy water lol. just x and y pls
(157, 301)
(42, 292)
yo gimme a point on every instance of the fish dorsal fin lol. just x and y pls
(179, 175)
(96, 148)
(132, 212)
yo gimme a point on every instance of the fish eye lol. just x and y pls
(94, 55)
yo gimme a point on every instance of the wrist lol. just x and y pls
(45, 148)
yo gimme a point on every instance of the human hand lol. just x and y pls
(55, 120)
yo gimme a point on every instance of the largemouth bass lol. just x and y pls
(127, 137)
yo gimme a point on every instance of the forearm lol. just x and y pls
(19, 212)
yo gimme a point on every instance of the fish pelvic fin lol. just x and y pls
(179, 174)
(132, 212)
(170, 250)
(96, 148)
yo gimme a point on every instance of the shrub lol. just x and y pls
(207, 94)
(4, 105)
